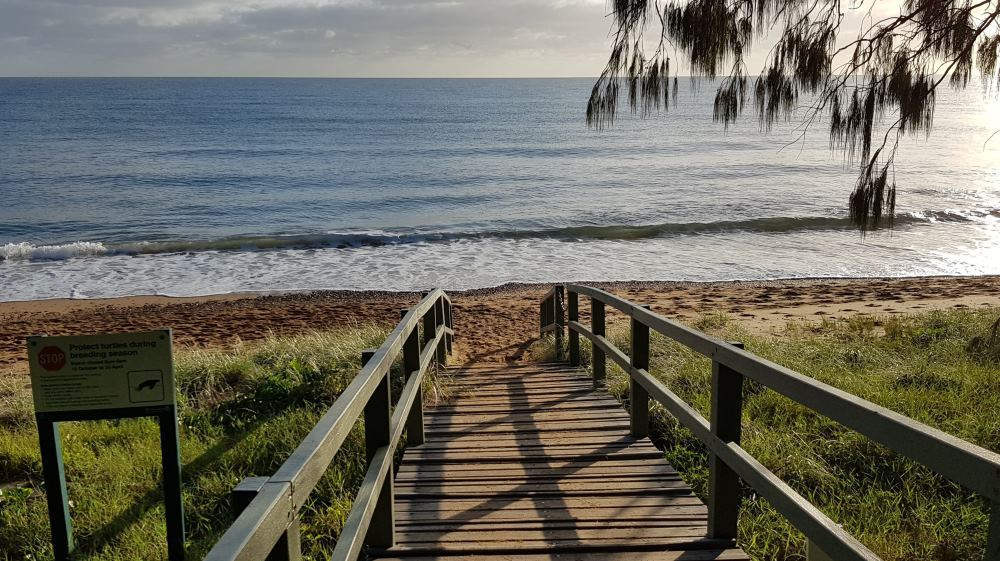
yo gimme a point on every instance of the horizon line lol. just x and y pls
(195, 76)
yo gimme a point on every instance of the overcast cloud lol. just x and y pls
(303, 37)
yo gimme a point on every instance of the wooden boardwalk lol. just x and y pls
(533, 463)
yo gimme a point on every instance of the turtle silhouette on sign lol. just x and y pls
(147, 385)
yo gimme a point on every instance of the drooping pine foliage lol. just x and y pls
(873, 87)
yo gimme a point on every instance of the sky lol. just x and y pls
(418, 38)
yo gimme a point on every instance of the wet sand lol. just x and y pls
(496, 324)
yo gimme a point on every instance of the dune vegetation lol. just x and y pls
(941, 368)
(242, 411)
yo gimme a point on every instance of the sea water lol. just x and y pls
(115, 187)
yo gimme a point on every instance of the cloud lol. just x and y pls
(304, 37)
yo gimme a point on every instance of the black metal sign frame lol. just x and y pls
(55, 476)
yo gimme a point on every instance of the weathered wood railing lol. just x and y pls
(267, 526)
(551, 316)
(969, 465)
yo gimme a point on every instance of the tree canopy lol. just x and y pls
(870, 88)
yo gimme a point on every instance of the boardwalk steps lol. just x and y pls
(533, 463)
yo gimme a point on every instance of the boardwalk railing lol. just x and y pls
(551, 316)
(969, 465)
(267, 526)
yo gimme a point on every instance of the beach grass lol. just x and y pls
(941, 368)
(244, 408)
(242, 411)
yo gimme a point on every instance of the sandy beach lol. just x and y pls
(495, 324)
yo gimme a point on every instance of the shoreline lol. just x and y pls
(140, 299)
(492, 323)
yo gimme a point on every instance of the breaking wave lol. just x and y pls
(30, 252)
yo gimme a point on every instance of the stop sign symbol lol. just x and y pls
(51, 358)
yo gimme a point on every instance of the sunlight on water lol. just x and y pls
(115, 187)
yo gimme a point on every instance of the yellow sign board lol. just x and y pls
(110, 371)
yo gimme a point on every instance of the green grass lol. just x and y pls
(941, 368)
(242, 411)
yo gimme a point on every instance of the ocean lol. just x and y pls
(115, 187)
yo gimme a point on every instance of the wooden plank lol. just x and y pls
(597, 477)
(508, 389)
(598, 432)
(638, 481)
(673, 529)
(457, 505)
(542, 516)
(700, 555)
(521, 468)
(487, 418)
(538, 436)
(463, 375)
(514, 369)
(534, 390)
(526, 373)
(600, 440)
(520, 407)
(528, 450)
(513, 428)
(563, 488)
(539, 455)
(538, 391)
(656, 465)
(506, 368)
(681, 540)
(531, 450)
(413, 529)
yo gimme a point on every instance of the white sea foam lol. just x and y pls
(968, 248)
(25, 251)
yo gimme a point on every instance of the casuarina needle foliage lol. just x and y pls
(873, 77)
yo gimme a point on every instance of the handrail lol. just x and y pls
(267, 526)
(551, 318)
(972, 466)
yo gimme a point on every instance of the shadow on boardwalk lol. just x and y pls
(532, 460)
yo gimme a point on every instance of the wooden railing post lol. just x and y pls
(378, 415)
(289, 546)
(599, 361)
(726, 423)
(541, 319)
(557, 317)
(574, 337)
(638, 397)
(429, 324)
(448, 322)
(442, 348)
(411, 364)
(814, 553)
(993, 534)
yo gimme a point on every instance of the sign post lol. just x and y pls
(111, 376)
